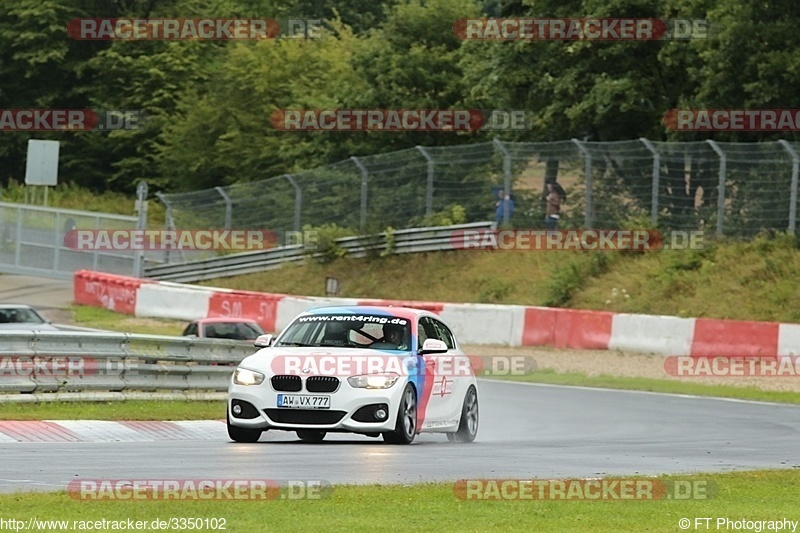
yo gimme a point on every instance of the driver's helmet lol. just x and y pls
(393, 330)
(335, 327)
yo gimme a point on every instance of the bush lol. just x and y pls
(327, 247)
(493, 290)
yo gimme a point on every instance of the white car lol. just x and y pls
(389, 371)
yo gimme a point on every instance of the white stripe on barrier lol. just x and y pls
(661, 335)
(169, 301)
(486, 323)
(789, 339)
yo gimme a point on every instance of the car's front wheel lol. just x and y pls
(311, 435)
(468, 425)
(405, 428)
(238, 434)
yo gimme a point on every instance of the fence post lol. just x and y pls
(364, 175)
(168, 222)
(228, 207)
(656, 176)
(587, 175)
(793, 192)
(298, 201)
(429, 187)
(506, 177)
(141, 225)
(723, 171)
(59, 242)
(95, 254)
(18, 249)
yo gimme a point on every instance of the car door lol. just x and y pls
(437, 395)
(456, 368)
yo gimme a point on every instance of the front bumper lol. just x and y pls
(345, 402)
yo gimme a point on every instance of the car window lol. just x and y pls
(426, 330)
(303, 334)
(191, 329)
(348, 330)
(443, 333)
(20, 316)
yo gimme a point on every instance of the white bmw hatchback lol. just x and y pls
(374, 371)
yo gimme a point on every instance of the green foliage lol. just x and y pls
(493, 290)
(326, 244)
(390, 242)
(569, 278)
(450, 216)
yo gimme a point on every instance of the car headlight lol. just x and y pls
(242, 376)
(373, 381)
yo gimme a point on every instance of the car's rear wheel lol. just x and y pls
(311, 435)
(405, 428)
(238, 434)
(468, 425)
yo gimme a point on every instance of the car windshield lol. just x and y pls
(240, 331)
(20, 315)
(379, 332)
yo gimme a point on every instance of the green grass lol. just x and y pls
(756, 280)
(117, 410)
(758, 495)
(96, 317)
(548, 376)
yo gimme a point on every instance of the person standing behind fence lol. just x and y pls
(505, 202)
(553, 200)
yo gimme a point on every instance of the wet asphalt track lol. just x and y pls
(526, 431)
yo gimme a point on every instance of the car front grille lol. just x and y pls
(322, 384)
(286, 383)
(304, 416)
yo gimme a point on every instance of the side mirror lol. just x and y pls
(433, 346)
(263, 341)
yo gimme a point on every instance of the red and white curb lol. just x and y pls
(106, 431)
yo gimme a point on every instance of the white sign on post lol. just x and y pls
(42, 164)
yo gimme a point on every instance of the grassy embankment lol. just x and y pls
(754, 496)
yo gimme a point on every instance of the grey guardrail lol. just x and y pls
(414, 240)
(53, 364)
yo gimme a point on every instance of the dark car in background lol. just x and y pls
(240, 329)
(23, 317)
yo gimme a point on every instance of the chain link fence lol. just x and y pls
(730, 189)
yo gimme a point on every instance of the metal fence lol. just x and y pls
(733, 189)
(32, 241)
(54, 365)
(417, 240)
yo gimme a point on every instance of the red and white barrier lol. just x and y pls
(511, 325)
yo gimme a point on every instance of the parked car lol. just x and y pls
(240, 329)
(23, 317)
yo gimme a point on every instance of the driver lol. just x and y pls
(393, 334)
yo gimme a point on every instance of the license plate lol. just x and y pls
(301, 401)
